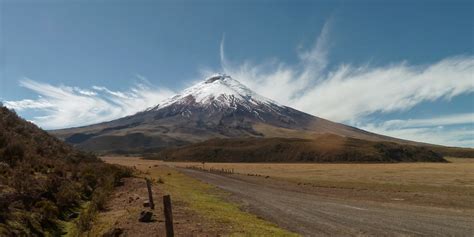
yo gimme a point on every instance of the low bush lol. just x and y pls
(43, 180)
(68, 195)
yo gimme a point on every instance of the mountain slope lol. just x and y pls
(42, 179)
(323, 148)
(219, 107)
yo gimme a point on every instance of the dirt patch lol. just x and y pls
(124, 207)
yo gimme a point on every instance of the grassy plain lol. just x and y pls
(452, 184)
(458, 173)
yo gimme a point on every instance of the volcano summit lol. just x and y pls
(218, 107)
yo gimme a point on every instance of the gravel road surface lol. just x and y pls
(311, 214)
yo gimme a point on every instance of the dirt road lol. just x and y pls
(311, 214)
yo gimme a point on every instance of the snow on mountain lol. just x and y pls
(217, 90)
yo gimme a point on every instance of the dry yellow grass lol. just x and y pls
(453, 182)
(444, 184)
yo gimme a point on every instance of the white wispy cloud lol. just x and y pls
(350, 94)
(452, 129)
(446, 120)
(65, 106)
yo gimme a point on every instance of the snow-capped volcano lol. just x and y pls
(219, 106)
(220, 98)
(217, 90)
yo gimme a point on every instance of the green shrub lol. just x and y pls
(68, 195)
(12, 154)
(3, 140)
(48, 210)
(85, 219)
(99, 198)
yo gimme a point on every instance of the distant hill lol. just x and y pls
(453, 151)
(324, 148)
(43, 180)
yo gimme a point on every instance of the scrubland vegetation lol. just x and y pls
(326, 148)
(46, 185)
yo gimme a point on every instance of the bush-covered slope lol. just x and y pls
(325, 148)
(460, 152)
(43, 181)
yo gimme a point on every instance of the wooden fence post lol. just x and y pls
(168, 216)
(150, 195)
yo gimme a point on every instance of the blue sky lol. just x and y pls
(401, 68)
